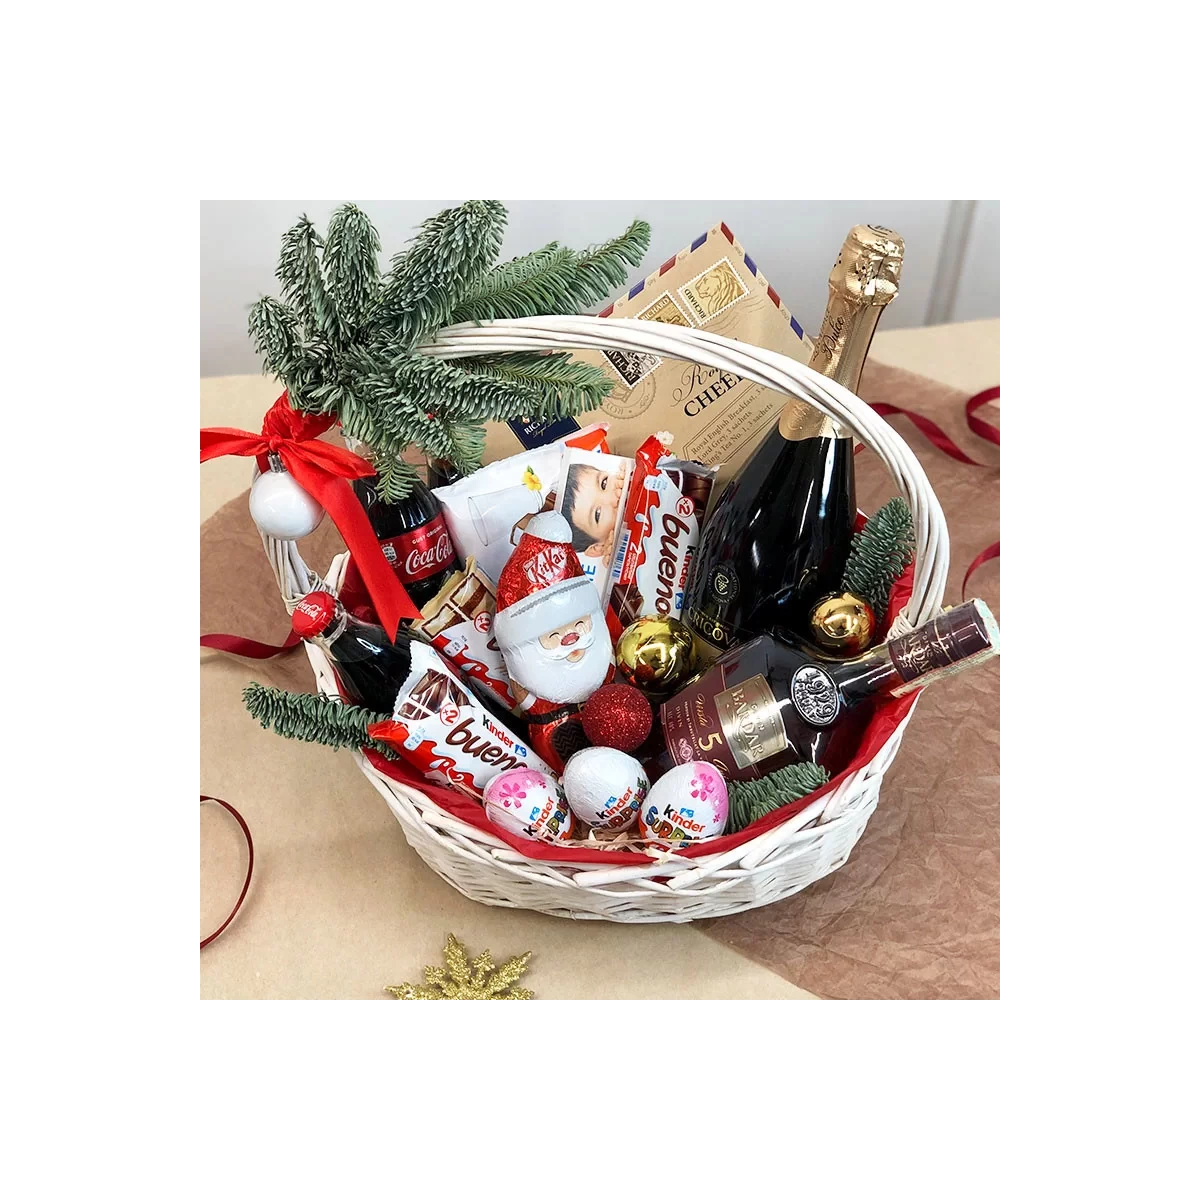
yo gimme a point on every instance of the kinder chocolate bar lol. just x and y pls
(440, 729)
(487, 510)
(592, 493)
(661, 531)
(458, 622)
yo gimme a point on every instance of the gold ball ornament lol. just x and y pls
(657, 655)
(842, 624)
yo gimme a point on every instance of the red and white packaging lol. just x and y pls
(458, 622)
(487, 510)
(592, 491)
(439, 728)
(661, 531)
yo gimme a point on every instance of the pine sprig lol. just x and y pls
(309, 718)
(532, 285)
(879, 552)
(603, 268)
(273, 331)
(300, 277)
(342, 339)
(561, 379)
(450, 254)
(351, 263)
(754, 798)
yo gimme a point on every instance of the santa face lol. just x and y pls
(565, 665)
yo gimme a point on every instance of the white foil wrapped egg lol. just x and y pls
(530, 804)
(605, 788)
(688, 804)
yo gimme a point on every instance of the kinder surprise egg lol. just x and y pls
(688, 804)
(605, 788)
(528, 803)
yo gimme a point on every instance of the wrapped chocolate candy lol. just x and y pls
(688, 804)
(530, 804)
(661, 530)
(439, 728)
(605, 788)
(458, 622)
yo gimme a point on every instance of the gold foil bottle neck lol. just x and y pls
(868, 265)
(799, 421)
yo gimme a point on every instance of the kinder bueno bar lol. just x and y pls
(458, 622)
(487, 510)
(440, 729)
(661, 531)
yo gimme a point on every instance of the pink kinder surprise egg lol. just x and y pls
(528, 803)
(605, 787)
(688, 804)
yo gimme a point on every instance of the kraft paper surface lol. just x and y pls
(341, 906)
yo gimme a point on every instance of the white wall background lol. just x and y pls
(951, 268)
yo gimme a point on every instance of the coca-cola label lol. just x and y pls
(815, 695)
(420, 552)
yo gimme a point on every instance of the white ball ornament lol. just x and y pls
(605, 788)
(281, 508)
(530, 804)
(688, 804)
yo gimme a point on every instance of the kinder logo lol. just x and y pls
(661, 574)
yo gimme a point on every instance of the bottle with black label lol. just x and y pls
(779, 535)
(413, 536)
(767, 703)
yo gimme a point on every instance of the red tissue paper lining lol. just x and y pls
(884, 721)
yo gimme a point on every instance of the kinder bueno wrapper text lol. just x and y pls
(440, 729)
(661, 530)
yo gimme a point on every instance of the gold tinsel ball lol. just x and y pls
(842, 624)
(656, 654)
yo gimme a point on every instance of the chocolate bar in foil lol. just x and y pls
(458, 622)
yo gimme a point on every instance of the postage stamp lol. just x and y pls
(713, 291)
(664, 310)
(632, 365)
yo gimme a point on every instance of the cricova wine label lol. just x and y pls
(734, 727)
(420, 552)
(440, 729)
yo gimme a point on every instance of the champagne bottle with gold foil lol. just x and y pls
(779, 535)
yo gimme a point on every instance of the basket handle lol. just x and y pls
(767, 367)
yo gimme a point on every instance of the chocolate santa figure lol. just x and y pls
(552, 634)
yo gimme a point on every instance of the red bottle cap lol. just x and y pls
(314, 614)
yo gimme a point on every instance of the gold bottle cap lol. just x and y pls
(868, 265)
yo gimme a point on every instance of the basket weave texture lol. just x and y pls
(786, 858)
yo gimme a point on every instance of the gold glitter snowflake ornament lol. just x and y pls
(480, 979)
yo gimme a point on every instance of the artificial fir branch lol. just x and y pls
(309, 718)
(529, 286)
(554, 375)
(299, 275)
(342, 338)
(602, 268)
(351, 263)
(450, 254)
(879, 552)
(754, 798)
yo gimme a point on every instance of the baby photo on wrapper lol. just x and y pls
(591, 496)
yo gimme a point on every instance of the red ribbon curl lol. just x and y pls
(323, 471)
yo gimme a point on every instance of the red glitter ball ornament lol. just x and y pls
(619, 716)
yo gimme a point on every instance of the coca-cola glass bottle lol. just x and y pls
(369, 666)
(413, 536)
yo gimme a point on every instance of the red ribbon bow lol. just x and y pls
(322, 471)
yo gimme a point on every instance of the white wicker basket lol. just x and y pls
(781, 861)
